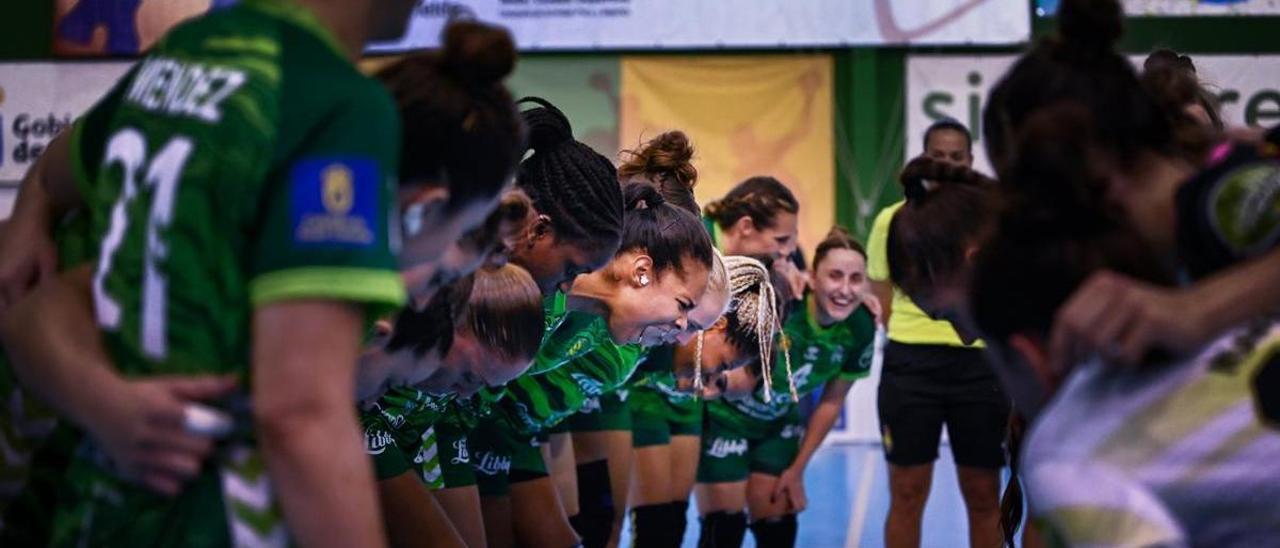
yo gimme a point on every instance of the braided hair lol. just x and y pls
(760, 198)
(752, 318)
(570, 183)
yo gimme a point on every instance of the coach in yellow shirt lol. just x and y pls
(930, 378)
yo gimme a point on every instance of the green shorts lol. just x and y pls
(655, 417)
(603, 414)
(501, 456)
(730, 454)
(456, 468)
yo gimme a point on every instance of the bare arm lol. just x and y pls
(56, 350)
(1239, 294)
(1125, 319)
(58, 355)
(884, 293)
(413, 517)
(48, 191)
(304, 356)
(790, 484)
(822, 420)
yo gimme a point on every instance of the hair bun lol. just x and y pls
(642, 196)
(838, 231)
(478, 53)
(1090, 26)
(548, 126)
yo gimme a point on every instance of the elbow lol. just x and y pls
(283, 421)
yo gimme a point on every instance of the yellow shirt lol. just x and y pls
(907, 323)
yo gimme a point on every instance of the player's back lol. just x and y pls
(1183, 454)
(221, 177)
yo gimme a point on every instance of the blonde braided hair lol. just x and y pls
(752, 315)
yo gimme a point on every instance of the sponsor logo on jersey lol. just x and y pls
(492, 464)
(801, 376)
(589, 385)
(186, 89)
(792, 431)
(336, 201)
(460, 453)
(590, 405)
(1245, 207)
(377, 440)
(723, 447)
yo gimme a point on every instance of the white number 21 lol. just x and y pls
(128, 148)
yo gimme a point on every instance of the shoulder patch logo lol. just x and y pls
(335, 202)
(1245, 208)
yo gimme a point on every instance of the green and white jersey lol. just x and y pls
(656, 376)
(399, 432)
(538, 401)
(818, 354)
(1178, 455)
(569, 335)
(244, 161)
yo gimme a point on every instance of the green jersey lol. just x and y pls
(568, 336)
(243, 162)
(818, 354)
(399, 432)
(536, 402)
(657, 376)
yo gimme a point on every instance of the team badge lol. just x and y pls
(336, 202)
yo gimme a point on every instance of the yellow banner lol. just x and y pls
(747, 116)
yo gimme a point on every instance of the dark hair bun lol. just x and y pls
(548, 127)
(670, 151)
(478, 53)
(641, 195)
(923, 175)
(1090, 26)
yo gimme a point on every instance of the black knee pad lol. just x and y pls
(723, 530)
(677, 521)
(594, 522)
(659, 525)
(779, 532)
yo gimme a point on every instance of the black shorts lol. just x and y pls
(924, 386)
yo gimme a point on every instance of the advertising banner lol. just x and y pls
(1159, 8)
(680, 24)
(38, 100)
(956, 86)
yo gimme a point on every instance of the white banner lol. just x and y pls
(957, 86)
(37, 100)
(698, 24)
(1202, 7)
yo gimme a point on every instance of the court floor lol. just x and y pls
(848, 491)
